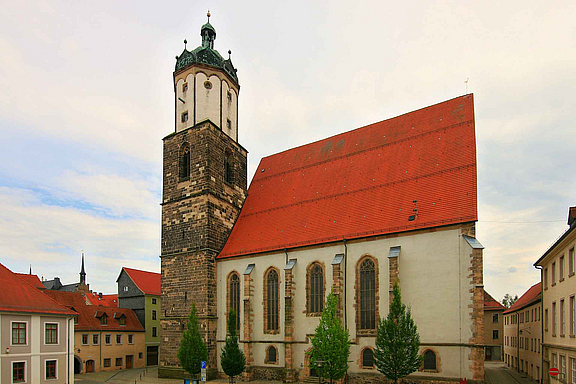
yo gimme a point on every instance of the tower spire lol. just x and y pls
(82, 272)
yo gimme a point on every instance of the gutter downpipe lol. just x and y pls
(345, 286)
(541, 378)
(68, 352)
(517, 341)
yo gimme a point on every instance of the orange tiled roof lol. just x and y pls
(147, 282)
(33, 280)
(530, 296)
(490, 304)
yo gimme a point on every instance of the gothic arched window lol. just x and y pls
(272, 301)
(271, 355)
(316, 288)
(429, 360)
(228, 168)
(234, 296)
(184, 162)
(367, 295)
(368, 358)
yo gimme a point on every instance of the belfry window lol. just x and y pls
(185, 162)
(367, 295)
(316, 289)
(228, 168)
(272, 304)
(234, 292)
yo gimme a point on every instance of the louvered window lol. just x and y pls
(367, 295)
(235, 297)
(316, 294)
(272, 301)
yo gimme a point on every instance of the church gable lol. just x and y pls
(410, 172)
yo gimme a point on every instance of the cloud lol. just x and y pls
(512, 269)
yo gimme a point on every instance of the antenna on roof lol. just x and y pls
(466, 82)
(30, 270)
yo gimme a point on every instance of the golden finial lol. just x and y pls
(208, 14)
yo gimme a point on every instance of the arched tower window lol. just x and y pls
(272, 312)
(315, 288)
(429, 360)
(185, 162)
(228, 168)
(367, 358)
(234, 296)
(367, 294)
(271, 355)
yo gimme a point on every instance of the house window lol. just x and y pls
(571, 261)
(367, 295)
(563, 365)
(562, 318)
(140, 355)
(108, 339)
(154, 332)
(234, 296)
(316, 289)
(561, 267)
(553, 273)
(125, 288)
(272, 304)
(368, 358)
(104, 319)
(18, 370)
(50, 369)
(153, 301)
(51, 333)
(573, 366)
(554, 320)
(572, 316)
(545, 278)
(95, 339)
(546, 319)
(495, 334)
(228, 168)
(429, 360)
(84, 339)
(130, 339)
(122, 320)
(185, 162)
(184, 87)
(107, 362)
(18, 333)
(153, 314)
(494, 317)
(184, 116)
(271, 355)
(76, 319)
(118, 339)
(118, 361)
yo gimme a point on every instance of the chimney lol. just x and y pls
(571, 216)
(100, 295)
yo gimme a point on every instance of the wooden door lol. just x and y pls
(89, 366)
(128, 361)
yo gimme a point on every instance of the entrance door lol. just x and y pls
(151, 356)
(488, 354)
(77, 365)
(129, 361)
(89, 366)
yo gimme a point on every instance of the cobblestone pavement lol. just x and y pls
(496, 372)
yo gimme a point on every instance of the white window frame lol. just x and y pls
(110, 335)
(118, 343)
(126, 287)
(12, 368)
(99, 341)
(573, 366)
(57, 333)
(45, 373)
(27, 333)
(87, 338)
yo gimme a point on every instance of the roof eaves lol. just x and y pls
(551, 248)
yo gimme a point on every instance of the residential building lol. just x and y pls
(36, 334)
(523, 333)
(140, 291)
(558, 267)
(105, 338)
(493, 328)
(391, 202)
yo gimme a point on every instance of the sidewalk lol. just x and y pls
(498, 373)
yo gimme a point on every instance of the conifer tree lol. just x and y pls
(192, 350)
(397, 342)
(232, 358)
(330, 343)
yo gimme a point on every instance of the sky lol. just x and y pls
(86, 97)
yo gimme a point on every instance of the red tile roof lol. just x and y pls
(529, 297)
(363, 183)
(147, 282)
(105, 300)
(490, 304)
(17, 295)
(87, 321)
(33, 280)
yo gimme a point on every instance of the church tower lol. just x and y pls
(204, 187)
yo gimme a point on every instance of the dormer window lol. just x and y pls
(121, 318)
(184, 87)
(103, 318)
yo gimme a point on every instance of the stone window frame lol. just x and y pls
(229, 298)
(438, 361)
(361, 359)
(309, 287)
(266, 355)
(265, 301)
(182, 176)
(360, 331)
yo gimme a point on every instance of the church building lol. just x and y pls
(394, 201)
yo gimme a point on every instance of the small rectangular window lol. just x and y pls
(494, 317)
(553, 273)
(140, 355)
(118, 339)
(108, 339)
(18, 370)
(561, 267)
(125, 288)
(571, 262)
(153, 301)
(107, 362)
(50, 369)
(153, 314)
(130, 339)
(118, 361)
(495, 334)
(95, 339)
(184, 87)
(228, 124)
(18, 333)
(84, 339)
(184, 116)
(154, 332)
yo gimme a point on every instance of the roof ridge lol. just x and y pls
(363, 189)
(399, 141)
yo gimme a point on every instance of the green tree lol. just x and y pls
(330, 343)
(232, 359)
(508, 300)
(192, 350)
(397, 342)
